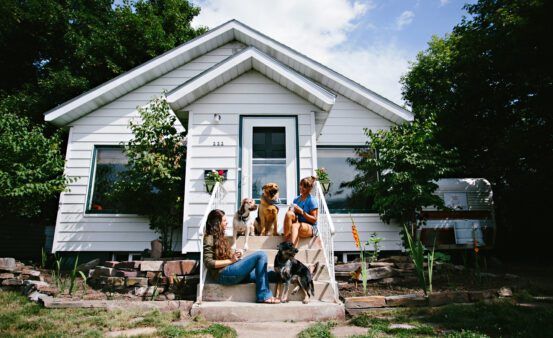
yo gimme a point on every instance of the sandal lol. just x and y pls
(270, 300)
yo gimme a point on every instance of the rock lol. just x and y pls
(170, 296)
(380, 264)
(406, 266)
(110, 264)
(505, 292)
(379, 273)
(402, 326)
(157, 249)
(102, 271)
(442, 298)
(7, 264)
(137, 281)
(30, 272)
(147, 291)
(153, 274)
(396, 259)
(151, 266)
(160, 298)
(6, 275)
(390, 280)
(406, 300)
(36, 283)
(88, 265)
(123, 273)
(12, 282)
(128, 265)
(48, 290)
(116, 281)
(365, 302)
(476, 296)
(180, 268)
(348, 267)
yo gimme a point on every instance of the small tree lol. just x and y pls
(407, 160)
(31, 167)
(153, 184)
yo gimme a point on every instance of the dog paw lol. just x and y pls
(246, 247)
(305, 301)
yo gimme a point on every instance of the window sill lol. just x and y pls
(110, 214)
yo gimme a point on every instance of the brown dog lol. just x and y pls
(268, 211)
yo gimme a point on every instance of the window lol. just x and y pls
(269, 160)
(108, 163)
(341, 200)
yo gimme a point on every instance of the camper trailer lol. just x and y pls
(469, 220)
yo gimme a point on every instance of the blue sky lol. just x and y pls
(369, 41)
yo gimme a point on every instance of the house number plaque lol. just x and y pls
(218, 144)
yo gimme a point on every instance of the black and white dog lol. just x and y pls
(243, 221)
(290, 270)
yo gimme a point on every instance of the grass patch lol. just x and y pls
(502, 319)
(22, 318)
(319, 330)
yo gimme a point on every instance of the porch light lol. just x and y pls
(216, 118)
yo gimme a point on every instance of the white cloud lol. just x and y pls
(404, 19)
(444, 2)
(319, 29)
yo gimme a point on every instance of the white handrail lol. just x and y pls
(214, 203)
(326, 233)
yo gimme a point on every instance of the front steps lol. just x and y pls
(254, 312)
(237, 302)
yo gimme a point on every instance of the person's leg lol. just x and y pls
(237, 272)
(288, 220)
(294, 237)
(255, 268)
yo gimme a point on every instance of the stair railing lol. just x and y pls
(326, 233)
(215, 202)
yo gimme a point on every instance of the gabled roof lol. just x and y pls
(236, 65)
(229, 31)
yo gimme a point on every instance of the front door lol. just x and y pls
(269, 155)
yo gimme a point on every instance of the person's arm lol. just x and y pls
(310, 217)
(211, 262)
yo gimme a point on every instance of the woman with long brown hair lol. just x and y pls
(227, 267)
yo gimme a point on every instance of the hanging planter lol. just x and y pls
(211, 177)
(324, 179)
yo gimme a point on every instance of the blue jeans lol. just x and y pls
(249, 269)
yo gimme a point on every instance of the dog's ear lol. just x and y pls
(242, 209)
(264, 187)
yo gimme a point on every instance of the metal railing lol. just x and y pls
(214, 203)
(326, 233)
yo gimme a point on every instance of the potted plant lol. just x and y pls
(213, 176)
(324, 179)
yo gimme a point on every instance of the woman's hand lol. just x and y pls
(298, 210)
(236, 256)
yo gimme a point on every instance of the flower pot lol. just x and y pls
(325, 186)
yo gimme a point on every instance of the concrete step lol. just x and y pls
(246, 292)
(271, 242)
(306, 256)
(253, 312)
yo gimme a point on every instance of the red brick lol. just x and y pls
(128, 265)
(180, 268)
(123, 273)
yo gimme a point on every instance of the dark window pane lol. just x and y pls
(269, 142)
(341, 200)
(110, 163)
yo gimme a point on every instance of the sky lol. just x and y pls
(369, 41)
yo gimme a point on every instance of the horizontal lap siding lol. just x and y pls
(366, 224)
(249, 94)
(346, 122)
(108, 125)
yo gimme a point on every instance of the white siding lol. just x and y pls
(346, 122)
(366, 224)
(249, 94)
(77, 231)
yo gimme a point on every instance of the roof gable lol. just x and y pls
(238, 64)
(232, 30)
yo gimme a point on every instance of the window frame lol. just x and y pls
(345, 211)
(91, 181)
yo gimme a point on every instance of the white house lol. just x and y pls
(252, 106)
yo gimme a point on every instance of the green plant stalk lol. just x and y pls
(43, 258)
(416, 252)
(430, 259)
(85, 279)
(73, 276)
(363, 270)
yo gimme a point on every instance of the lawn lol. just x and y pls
(502, 319)
(21, 318)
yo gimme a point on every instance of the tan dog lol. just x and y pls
(243, 221)
(268, 211)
